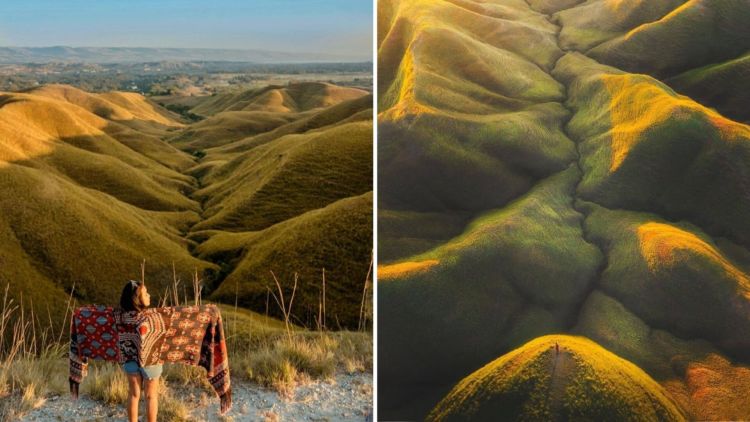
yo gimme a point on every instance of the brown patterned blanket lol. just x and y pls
(193, 335)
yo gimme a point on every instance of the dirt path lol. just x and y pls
(346, 398)
(561, 366)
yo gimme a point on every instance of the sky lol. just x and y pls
(341, 27)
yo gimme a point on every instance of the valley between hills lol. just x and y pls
(269, 179)
(564, 193)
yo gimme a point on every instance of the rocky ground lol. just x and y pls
(345, 398)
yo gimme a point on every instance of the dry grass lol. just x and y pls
(297, 97)
(171, 407)
(106, 383)
(263, 351)
(276, 354)
(337, 238)
(29, 360)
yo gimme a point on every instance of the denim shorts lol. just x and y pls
(147, 372)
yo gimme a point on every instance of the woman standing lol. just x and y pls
(135, 297)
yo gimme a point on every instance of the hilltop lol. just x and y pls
(558, 377)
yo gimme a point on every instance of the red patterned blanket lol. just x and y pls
(193, 335)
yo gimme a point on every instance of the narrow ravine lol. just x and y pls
(575, 196)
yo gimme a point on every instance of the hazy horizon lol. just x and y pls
(336, 27)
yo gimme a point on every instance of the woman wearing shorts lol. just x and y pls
(135, 297)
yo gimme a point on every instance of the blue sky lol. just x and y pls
(324, 26)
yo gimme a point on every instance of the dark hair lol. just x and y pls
(130, 300)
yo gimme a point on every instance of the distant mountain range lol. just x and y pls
(144, 54)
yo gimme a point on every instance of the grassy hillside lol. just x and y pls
(227, 127)
(358, 109)
(647, 148)
(564, 377)
(108, 180)
(713, 85)
(287, 193)
(697, 33)
(287, 177)
(296, 97)
(63, 234)
(518, 273)
(454, 123)
(336, 238)
(652, 260)
(591, 23)
(530, 185)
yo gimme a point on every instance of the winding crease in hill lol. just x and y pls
(94, 183)
(568, 167)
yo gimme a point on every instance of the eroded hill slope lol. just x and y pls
(530, 185)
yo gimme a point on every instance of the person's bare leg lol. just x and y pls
(134, 396)
(151, 391)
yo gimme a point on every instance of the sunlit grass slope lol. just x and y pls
(287, 177)
(567, 196)
(644, 147)
(703, 382)
(92, 186)
(698, 33)
(675, 302)
(653, 262)
(358, 109)
(89, 192)
(463, 105)
(63, 234)
(592, 22)
(284, 175)
(229, 126)
(581, 381)
(337, 237)
(297, 97)
(478, 70)
(132, 119)
(73, 142)
(472, 46)
(515, 273)
(453, 162)
(715, 85)
(127, 108)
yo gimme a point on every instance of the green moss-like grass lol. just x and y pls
(288, 177)
(481, 54)
(514, 272)
(337, 238)
(583, 381)
(679, 41)
(593, 22)
(63, 234)
(646, 148)
(715, 85)
(675, 277)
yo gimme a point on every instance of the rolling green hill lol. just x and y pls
(568, 167)
(551, 377)
(95, 183)
(298, 97)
